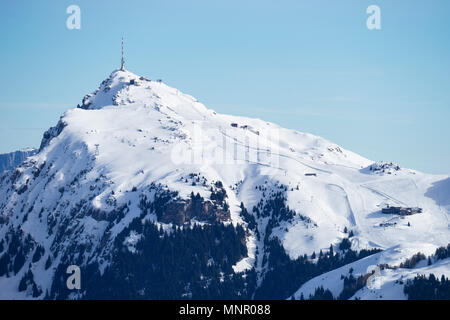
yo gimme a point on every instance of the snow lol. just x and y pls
(381, 284)
(132, 240)
(127, 136)
(387, 285)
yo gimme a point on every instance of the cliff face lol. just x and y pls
(182, 211)
(11, 160)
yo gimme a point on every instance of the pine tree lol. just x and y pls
(345, 244)
(48, 263)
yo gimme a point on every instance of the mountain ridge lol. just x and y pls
(10, 160)
(139, 150)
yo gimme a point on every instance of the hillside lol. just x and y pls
(138, 158)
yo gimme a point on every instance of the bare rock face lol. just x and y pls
(182, 211)
(175, 212)
(52, 133)
(169, 207)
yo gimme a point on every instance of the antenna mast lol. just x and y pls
(123, 61)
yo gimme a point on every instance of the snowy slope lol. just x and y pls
(389, 284)
(382, 285)
(134, 133)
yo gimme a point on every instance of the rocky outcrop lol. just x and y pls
(182, 211)
(52, 133)
(169, 207)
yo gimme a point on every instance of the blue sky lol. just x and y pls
(309, 65)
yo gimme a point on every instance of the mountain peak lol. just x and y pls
(109, 88)
(140, 151)
(124, 88)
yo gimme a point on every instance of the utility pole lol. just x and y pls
(123, 60)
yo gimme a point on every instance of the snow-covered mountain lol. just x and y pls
(11, 160)
(138, 152)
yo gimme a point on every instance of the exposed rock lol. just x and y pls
(182, 211)
(52, 133)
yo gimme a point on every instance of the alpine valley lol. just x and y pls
(154, 196)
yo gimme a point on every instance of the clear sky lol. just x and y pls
(308, 65)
